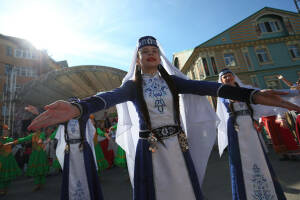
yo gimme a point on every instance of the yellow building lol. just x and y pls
(20, 62)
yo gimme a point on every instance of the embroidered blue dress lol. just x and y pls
(252, 176)
(80, 179)
(168, 173)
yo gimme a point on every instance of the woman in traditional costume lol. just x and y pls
(162, 163)
(120, 157)
(252, 176)
(75, 152)
(38, 165)
(9, 168)
(101, 161)
(55, 163)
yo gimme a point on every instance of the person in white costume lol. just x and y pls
(252, 176)
(166, 158)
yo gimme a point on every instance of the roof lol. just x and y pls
(242, 21)
(206, 43)
(80, 81)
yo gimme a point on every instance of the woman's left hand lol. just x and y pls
(272, 98)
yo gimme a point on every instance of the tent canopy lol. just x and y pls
(79, 81)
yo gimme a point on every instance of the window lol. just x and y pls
(262, 55)
(25, 53)
(272, 82)
(4, 113)
(294, 51)
(229, 60)
(18, 53)
(205, 66)
(176, 64)
(9, 51)
(269, 27)
(214, 66)
(8, 69)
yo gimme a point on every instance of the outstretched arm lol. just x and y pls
(264, 97)
(62, 111)
(288, 83)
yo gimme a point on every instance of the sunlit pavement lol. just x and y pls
(116, 185)
(217, 185)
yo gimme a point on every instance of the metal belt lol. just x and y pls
(73, 141)
(241, 112)
(161, 132)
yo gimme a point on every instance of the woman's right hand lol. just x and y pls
(279, 76)
(57, 112)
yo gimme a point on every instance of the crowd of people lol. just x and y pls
(165, 133)
(35, 154)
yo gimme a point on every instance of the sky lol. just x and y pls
(105, 32)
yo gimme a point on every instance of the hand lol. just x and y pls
(272, 98)
(283, 123)
(107, 136)
(279, 76)
(9, 143)
(57, 112)
(47, 141)
(32, 109)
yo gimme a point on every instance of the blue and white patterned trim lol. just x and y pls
(105, 103)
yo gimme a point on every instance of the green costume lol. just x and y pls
(101, 161)
(38, 166)
(9, 168)
(120, 159)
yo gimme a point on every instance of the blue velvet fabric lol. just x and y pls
(91, 173)
(235, 163)
(143, 173)
(193, 175)
(64, 194)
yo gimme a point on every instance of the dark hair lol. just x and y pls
(140, 95)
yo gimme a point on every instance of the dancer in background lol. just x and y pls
(252, 176)
(9, 168)
(75, 152)
(101, 161)
(38, 165)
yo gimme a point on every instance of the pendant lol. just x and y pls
(183, 142)
(153, 142)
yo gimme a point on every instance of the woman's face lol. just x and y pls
(148, 57)
(228, 79)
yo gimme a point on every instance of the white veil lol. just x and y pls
(258, 111)
(223, 115)
(198, 120)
